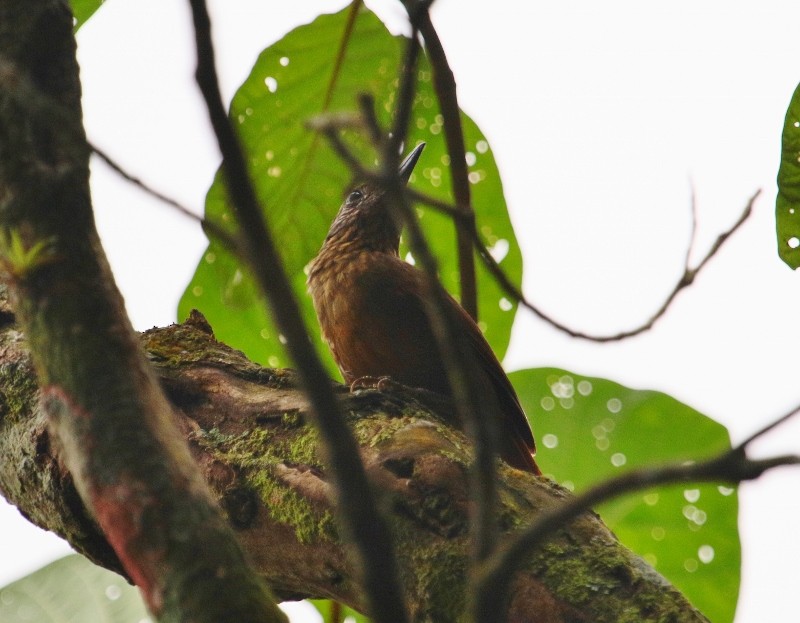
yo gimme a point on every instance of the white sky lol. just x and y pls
(600, 116)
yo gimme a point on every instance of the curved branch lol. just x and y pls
(329, 124)
(686, 279)
(249, 431)
(212, 229)
(731, 466)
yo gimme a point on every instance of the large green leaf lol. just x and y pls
(787, 204)
(82, 10)
(589, 429)
(300, 181)
(71, 590)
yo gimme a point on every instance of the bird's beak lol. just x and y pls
(408, 164)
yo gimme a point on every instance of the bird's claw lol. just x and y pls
(381, 383)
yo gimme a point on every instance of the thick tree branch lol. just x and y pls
(249, 432)
(356, 505)
(132, 472)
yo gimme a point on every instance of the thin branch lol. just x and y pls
(329, 124)
(352, 15)
(405, 103)
(356, 504)
(692, 273)
(141, 185)
(445, 85)
(693, 234)
(212, 229)
(471, 404)
(347, 156)
(366, 103)
(686, 279)
(56, 116)
(764, 430)
(731, 466)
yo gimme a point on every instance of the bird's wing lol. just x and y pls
(392, 299)
(517, 444)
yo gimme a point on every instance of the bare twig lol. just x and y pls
(731, 466)
(139, 183)
(445, 85)
(686, 279)
(470, 403)
(347, 156)
(212, 229)
(405, 103)
(691, 273)
(764, 430)
(356, 504)
(329, 125)
(366, 103)
(693, 234)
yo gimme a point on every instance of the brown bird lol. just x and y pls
(370, 306)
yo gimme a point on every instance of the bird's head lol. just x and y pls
(364, 218)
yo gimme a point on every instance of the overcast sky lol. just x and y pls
(601, 117)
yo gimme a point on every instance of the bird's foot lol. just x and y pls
(381, 383)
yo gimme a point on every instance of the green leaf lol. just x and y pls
(787, 203)
(589, 429)
(326, 608)
(301, 181)
(82, 10)
(71, 590)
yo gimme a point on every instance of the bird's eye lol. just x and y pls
(354, 196)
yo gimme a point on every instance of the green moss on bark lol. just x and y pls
(258, 452)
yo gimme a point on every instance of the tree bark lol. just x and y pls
(131, 471)
(248, 430)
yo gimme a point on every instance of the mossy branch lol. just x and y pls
(248, 430)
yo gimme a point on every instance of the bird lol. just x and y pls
(371, 310)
